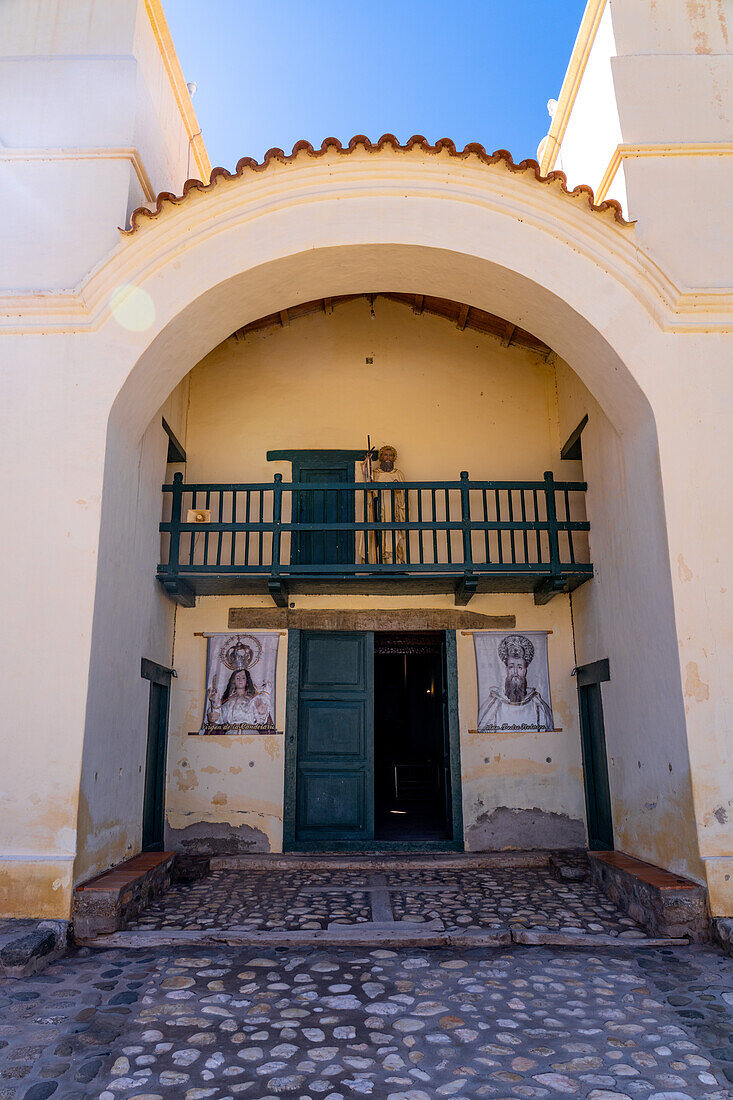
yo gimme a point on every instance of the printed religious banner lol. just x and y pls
(513, 681)
(240, 684)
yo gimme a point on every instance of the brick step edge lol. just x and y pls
(378, 861)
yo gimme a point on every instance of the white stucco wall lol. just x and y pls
(95, 130)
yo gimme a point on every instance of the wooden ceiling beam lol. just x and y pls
(461, 314)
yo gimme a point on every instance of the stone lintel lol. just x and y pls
(397, 619)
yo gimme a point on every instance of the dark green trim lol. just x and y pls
(316, 458)
(598, 672)
(292, 704)
(454, 737)
(573, 449)
(159, 674)
(176, 452)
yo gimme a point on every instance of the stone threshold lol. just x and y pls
(384, 861)
(375, 934)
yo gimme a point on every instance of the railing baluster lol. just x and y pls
(487, 547)
(552, 523)
(466, 522)
(435, 529)
(499, 532)
(571, 548)
(511, 532)
(448, 532)
(176, 508)
(537, 530)
(220, 534)
(207, 506)
(524, 520)
(276, 520)
(192, 534)
(420, 533)
(247, 506)
(234, 533)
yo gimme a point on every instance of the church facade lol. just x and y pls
(371, 497)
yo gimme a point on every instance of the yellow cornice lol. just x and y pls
(676, 149)
(102, 152)
(159, 23)
(573, 76)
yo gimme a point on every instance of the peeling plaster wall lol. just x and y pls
(224, 794)
(113, 771)
(649, 769)
(524, 790)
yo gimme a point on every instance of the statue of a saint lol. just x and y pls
(385, 506)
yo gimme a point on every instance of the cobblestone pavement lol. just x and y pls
(333, 1025)
(259, 900)
(267, 900)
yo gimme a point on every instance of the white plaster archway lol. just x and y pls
(414, 222)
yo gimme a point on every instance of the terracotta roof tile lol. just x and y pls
(331, 144)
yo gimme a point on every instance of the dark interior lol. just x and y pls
(411, 793)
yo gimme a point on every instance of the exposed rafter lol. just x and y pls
(461, 314)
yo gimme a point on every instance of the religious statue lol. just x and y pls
(515, 706)
(385, 506)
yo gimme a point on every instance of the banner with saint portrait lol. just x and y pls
(513, 681)
(240, 684)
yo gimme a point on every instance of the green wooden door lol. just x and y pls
(595, 768)
(324, 506)
(154, 800)
(334, 799)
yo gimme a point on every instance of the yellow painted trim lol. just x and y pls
(573, 76)
(678, 149)
(675, 308)
(164, 39)
(99, 153)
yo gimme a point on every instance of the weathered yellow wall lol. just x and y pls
(448, 400)
(224, 793)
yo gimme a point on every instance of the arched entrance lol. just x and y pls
(419, 222)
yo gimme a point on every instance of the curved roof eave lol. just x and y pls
(331, 144)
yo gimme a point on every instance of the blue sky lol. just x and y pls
(270, 72)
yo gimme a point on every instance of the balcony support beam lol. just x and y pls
(278, 589)
(178, 590)
(548, 588)
(465, 589)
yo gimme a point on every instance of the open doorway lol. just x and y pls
(411, 758)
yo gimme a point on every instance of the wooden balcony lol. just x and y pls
(409, 537)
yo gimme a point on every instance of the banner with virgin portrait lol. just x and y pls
(240, 684)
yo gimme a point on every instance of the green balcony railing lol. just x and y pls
(425, 535)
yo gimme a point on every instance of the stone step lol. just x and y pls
(397, 934)
(381, 861)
